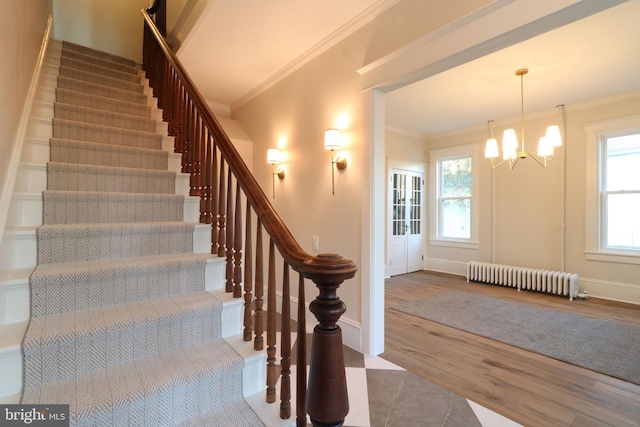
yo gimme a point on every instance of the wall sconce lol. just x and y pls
(273, 159)
(332, 142)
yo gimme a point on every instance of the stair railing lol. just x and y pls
(224, 184)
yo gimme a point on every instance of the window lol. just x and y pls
(620, 192)
(454, 204)
(613, 196)
(454, 216)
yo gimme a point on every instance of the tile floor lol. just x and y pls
(382, 394)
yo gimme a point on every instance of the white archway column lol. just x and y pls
(373, 222)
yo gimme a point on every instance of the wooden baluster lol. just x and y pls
(181, 138)
(271, 326)
(195, 153)
(237, 245)
(258, 341)
(247, 334)
(213, 199)
(285, 347)
(301, 357)
(221, 211)
(229, 236)
(171, 126)
(205, 199)
(327, 400)
(182, 100)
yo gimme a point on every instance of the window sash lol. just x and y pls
(617, 228)
(447, 223)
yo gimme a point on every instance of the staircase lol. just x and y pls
(129, 322)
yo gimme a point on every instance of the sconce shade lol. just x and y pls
(332, 139)
(273, 156)
(491, 149)
(553, 136)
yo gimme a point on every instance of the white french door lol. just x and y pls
(405, 222)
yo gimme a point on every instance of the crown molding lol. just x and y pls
(336, 37)
(598, 102)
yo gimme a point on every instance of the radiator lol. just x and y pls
(551, 282)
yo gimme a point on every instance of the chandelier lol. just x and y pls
(510, 150)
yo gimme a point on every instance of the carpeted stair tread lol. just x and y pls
(98, 102)
(102, 117)
(94, 153)
(89, 132)
(99, 61)
(78, 207)
(232, 414)
(87, 76)
(97, 69)
(91, 52)
(101, 90)
(163, 390)
(86, 242)
(83, 341)
(62, 287)
(79, 177)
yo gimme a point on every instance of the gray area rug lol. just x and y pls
(600, 345)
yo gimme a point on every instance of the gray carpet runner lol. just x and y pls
(121, 327)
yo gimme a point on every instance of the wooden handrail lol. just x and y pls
(199, 137)
(322, 267)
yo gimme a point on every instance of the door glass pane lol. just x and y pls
(416, 201)
(399, 204)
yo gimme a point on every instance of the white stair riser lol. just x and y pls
(36, 150)
(40, 128)
(19, 247)
(175, 162)
(32, 178)
(191, 211)
(25, 210)
(42, 110)
(11, 374)
(15, 300)
(168, 144)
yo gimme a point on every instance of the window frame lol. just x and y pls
(596, 134)
(436, 157)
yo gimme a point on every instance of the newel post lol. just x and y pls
(327, 401)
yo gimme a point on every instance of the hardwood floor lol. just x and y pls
(531, 389)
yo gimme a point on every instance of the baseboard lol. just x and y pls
(446, 266)
(351, 330)
(614, 291)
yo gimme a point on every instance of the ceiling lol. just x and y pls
(592, 58)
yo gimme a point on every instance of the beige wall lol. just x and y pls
(23, 24)
(399, 146)
(326, 93)
(529, 201)
(114, 26)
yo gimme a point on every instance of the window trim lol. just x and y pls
(435, 157)
(595, 132)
